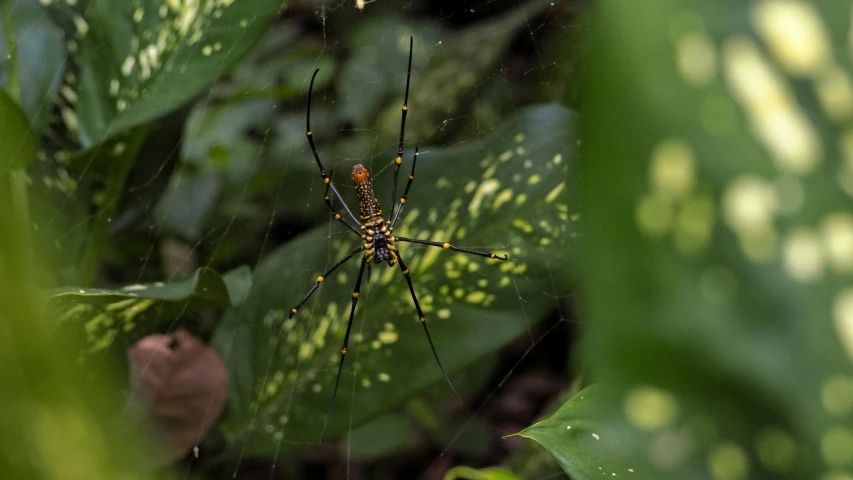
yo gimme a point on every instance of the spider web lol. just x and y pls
(243, 183)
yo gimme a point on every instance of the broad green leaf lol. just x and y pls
(381, 437)
(716, 191)
(452, 74)
(504, 191)
(105, 315)
(576, 438)
(38, 60)
(377, 71)
(490, 473)
(136, 61)
(75, 198)
(279, 67)
(17, 141)
(187, 204)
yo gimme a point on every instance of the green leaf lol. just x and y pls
(137, 61)
(504, 191)
(490, 473)
(717, 267)
(578, 441)
(105, 314)
(76, 210)
(381, 437)
(452, 74)
(17, 141)
(38, 60)
(187, 204)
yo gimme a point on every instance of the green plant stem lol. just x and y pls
(18, 191)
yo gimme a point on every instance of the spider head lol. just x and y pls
(360, 174)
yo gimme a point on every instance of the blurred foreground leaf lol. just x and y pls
(58, 421)
(504, 192)
(717, 271)
(105, 315)
(17, 142)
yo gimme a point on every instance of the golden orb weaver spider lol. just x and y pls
(377, 234)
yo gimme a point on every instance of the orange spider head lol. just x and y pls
(360, 174)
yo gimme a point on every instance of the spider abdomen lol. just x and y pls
(367, 203)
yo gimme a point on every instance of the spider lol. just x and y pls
(377, 234)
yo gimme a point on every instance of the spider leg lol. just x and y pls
(399, 159)
(355, 293)
(422, 318)
(335, 212)
(310, 135)
(451, 247)
(323, 277)
(399, 208)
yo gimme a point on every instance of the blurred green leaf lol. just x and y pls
(381, 437)
(17, 141)
(504, 192)
(490, 473)
(458, 66)
(105, 315)
(39, 59)
(575, 438)
(376, 70)
(137, 61)
(75, 198)
(279, 68)
(187, 204)
(213, 131)
(469, 437)
(717, 169)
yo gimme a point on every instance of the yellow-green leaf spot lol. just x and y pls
(522, 225)
(654, 215)
(774, 116)
(672, 169)
(388, 337)
(835, 92)
(837, 235)
(842, 314)
(776, 449)
(836, 395)
(697, 58)
(795, 34)
(553, 194)
(728, 461)
(803, 255)
(749, 207)
(650, 408)
(836, 446)
(838, 475)
(476, 297)
(487, 188)
(694, 224)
